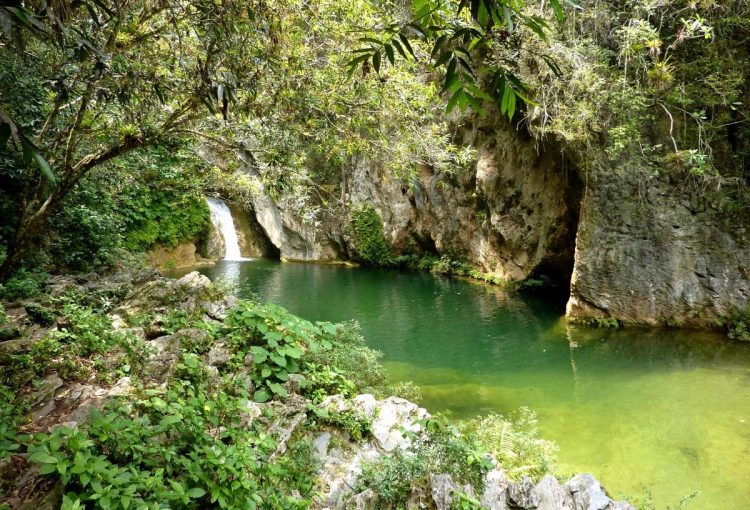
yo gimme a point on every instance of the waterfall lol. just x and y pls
(221, 217)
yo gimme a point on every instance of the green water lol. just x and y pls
(665, 411)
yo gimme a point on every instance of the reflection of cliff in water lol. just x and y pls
(655, 349)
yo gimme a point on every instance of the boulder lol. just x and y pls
(522, 495)
(495, 495)
(219, 355)
(551, 495)
(193, 281)
(365, 500)
(442, 488)
(588, 494)
(44, 399)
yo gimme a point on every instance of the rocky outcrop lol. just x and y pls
(512, 213)
(640, 249)
(393, 420)
(253, 241)
(183, 255)
(649, 252)
(293, 237)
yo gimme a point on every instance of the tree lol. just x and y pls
(120, 75)
(461, 33)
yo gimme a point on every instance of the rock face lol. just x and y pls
(638, 249)
(341, 466)
(513, 213)
(253, 241)
(649, 254)
(293, 238)
(182, 255)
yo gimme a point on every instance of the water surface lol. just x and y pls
(665, 411)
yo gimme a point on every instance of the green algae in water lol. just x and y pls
(660, 410)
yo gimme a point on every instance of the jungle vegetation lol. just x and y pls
(98, 97)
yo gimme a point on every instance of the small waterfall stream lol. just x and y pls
(221, 217)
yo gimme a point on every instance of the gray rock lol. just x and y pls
(320, 445)
(81, 399)
(121, 388)
(588, 494)
(164, 344)
(442, 488)
(552, 495)
(365, 500)
(650, 253)
(44, 398)
(522, 494)
(495, 495)
(389, 418)
(138, 333)
(219, 355)
(193, 281)
(294, 384)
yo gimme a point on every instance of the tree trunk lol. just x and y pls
(29, 226)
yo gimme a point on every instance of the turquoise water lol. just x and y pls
(665, 411)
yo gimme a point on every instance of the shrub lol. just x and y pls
(366, 231)
(737, 324)
(166, 217)
(23, 284)
(352, 359)
(443, 449)
(134, 455)
(40, 314)
(276, 340)
(514, 441)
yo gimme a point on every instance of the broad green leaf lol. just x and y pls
(376, 61)
(196, 492)
(43, 458)
(261, 396)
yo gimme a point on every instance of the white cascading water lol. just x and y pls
(221, 216)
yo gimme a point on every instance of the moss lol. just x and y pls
(366, 231)
(167, 218)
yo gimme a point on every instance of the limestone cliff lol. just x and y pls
(640, 249)
(651, 252)
(512, 213)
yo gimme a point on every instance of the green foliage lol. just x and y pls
(449, 266)
(166, 218)
(84, 338)
(514, 441)
(23, 284)
(457, 38)
(40, 314)
(276, 340)
(347, 364)
(737, 324)
(444, 449)
(366, 230)
(87, 229)
(352, 422)
(461, 452)
(164, 203)
(133, 455)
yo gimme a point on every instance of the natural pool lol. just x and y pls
(665, 411)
